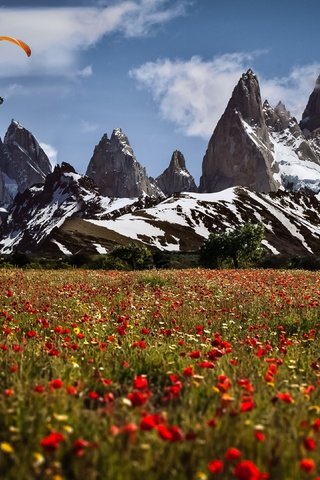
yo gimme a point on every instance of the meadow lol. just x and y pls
(185, 374)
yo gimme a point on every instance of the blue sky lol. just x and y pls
(161, 70)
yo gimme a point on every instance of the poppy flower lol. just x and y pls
(51, 442)
(188, 371)
(307, 465)
(38, 389)
(310, 443)
(246, 470)
(140, 382)
(216, 466)
(260, 436)
(149, 422)
(232, 454)
(247, 404)
(56, 383)
(171, 433)
(138, 398)
(285, 397)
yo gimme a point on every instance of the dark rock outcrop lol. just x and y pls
(176, 177)
(311, 115)
(116, 171)
(239, 151)
(22, 162)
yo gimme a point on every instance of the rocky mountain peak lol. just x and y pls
(22, 161)
(116, 171)
(311, 115)
(239, 151)
(277, 118)
(246, 98)
(177, 161)
(176, 178)
(120, 140)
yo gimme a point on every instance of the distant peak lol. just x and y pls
(121, 138)
(249, 73)
(177, 160)
(281, 106)
(16, 124)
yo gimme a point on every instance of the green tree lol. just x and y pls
(135, 255)
(241, 244)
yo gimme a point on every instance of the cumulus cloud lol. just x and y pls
(51, 152)
(194, 93)
(58, 34)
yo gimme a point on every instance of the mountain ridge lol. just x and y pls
(260, 166)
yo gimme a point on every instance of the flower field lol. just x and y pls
(190, 374)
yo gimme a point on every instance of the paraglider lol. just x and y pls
(20, 44)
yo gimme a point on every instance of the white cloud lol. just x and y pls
(194, 93)
(293, 89)
(56, 35)
(87, 127)
(51, 152)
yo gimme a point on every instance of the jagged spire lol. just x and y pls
(311, 115)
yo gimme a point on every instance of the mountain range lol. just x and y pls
(261, 164)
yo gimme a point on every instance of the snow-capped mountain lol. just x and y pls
(39, 212)
(116, 171)
(262, 148)
(67, 215)
(22, 162)
(260, 165)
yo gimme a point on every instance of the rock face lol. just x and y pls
(176, 177)
(311, 115)
(233, 157)
(115, 170)
(23, 162)
(261, 147)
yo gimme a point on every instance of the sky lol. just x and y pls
(162, 70)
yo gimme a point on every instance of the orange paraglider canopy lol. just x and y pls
(20, 44)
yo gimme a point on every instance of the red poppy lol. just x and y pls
(260, 436)
(171, 434)
(140, 382)
(56, 383)
(188, 371)
(316, 425)
(307, 465)
(149, 422)
(79, 446)
(232, 454)
(138, 398)
(38, 389)
(246, 470)
(216, 466)
(310, 443)
(247, 404)
(51, 442)
(195, 354)
(285, 397)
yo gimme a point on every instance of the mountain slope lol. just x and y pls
(67, 215)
